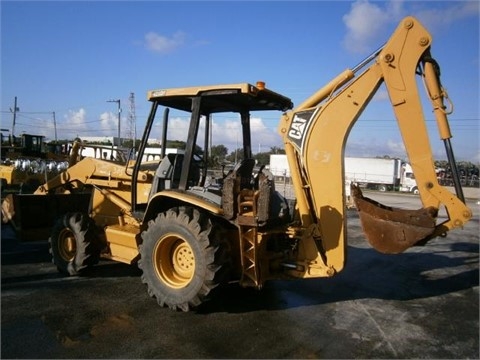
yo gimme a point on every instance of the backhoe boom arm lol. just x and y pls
(315, 135)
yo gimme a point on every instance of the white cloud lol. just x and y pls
(77, 124)
(364, 23)
(76, 117)
(367, 22)
(229, 133)
(178, 129)
(373, 147)
(396, 148)
(226, 132)
(74, 123)
(442, 18)
(163, 44)
(263, 138)
(109, 121)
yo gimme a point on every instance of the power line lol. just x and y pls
(264, 118)
(29, 112)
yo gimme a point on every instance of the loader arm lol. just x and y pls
(90, 171)
(104, 180)
(315, 135)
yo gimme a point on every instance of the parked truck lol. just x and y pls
(371, 173)
(380, 174)
(189, 238)
(407, 180)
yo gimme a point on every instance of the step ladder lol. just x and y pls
(248, 231)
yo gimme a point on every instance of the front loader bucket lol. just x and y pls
(33, 216)
(392, 230)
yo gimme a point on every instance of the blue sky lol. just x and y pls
(71, 57)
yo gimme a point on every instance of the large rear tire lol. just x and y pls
(73, 243)
(182, 258)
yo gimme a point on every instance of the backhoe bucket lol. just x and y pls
(392, 230)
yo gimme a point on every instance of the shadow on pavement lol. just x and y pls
(36, 255)
(368, 275)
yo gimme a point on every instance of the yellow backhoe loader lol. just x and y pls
(188, 237)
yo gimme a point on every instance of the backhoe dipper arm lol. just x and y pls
(316, 131)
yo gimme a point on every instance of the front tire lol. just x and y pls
(181, 258)
(73, 243)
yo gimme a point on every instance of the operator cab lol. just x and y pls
(26, 145)
(187, 169)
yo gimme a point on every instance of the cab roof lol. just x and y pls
(222, 98)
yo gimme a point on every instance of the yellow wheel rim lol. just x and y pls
(174, 261)
(67, 247)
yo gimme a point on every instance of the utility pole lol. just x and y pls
(210, 133)
(55, 126)
(119, 112)
(14, 111)
(132, 119)
(236, 147)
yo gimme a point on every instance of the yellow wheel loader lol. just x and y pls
(25, 164)
(188, 237)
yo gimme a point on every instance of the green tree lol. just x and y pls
(218, 154)
(263, 158)
(276, 150)
(128, 144)
(236, 155)
(176, 144)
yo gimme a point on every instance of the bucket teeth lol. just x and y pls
(391, 230)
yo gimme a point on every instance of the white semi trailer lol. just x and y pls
(373, 173)
(380, 174)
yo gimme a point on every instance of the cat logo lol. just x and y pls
(299, 125)
(297, 128)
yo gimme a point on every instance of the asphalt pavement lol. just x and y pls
(423, 303)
